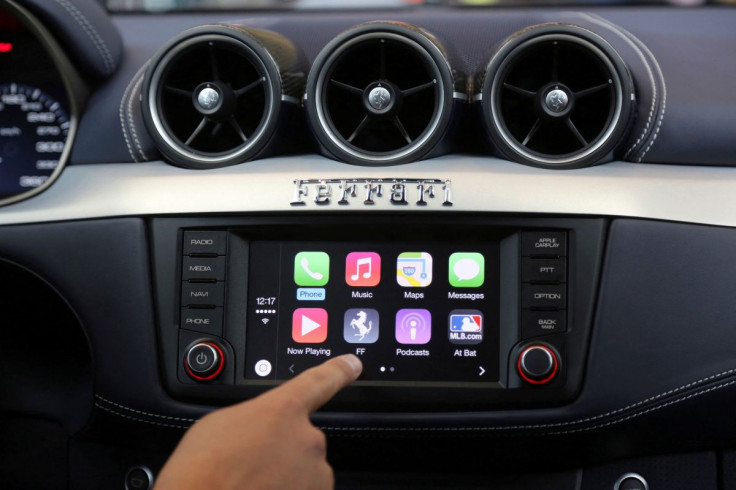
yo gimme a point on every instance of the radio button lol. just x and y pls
(204, 361)
(544, 243)
(203, 268)
(203, 293)
(543, 270)
(543, 296)
(205, 242)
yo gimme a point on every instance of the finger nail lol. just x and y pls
(355, 364)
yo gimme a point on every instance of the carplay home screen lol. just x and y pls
(413, 312)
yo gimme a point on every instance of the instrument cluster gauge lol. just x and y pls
(33, 132)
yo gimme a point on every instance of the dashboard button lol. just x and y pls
(203, 268)
(537, 364)
(203, 293)
(205, 320)
(544, 243)
(205, 242)
(138, 478)
(536, 323)
(204, 361)
(631, 481)
(543, 296)
(543, 270)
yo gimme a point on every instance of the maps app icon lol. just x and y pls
(466, 327)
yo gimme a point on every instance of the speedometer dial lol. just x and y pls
(33, 133)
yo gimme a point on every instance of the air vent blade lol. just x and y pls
(381, 93)
(556, 96)
(214, 95)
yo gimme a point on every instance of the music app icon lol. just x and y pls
(363, 269)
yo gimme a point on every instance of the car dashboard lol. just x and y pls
(521, 219)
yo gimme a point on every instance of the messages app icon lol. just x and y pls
(467, 270)
(311, 268)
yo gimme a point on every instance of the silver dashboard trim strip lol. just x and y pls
(480, 184)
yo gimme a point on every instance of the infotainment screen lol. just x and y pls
(414, 312)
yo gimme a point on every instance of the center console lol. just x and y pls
(446, 313)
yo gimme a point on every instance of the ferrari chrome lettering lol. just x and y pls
(399, 192)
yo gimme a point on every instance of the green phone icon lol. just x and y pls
(467, 270)
(311, 268)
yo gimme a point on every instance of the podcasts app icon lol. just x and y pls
(413, 326)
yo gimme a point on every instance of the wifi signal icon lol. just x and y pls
(265, 321)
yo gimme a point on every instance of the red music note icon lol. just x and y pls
(363, 269)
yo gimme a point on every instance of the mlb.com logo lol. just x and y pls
(466, 327)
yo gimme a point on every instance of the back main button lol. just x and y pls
(631, 481)
(544, 243)
(205, 242)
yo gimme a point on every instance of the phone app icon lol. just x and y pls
(363, 269)
(414, 269)
(467, 270)
(311, 268)
(413, 326)
(465, 327)
(361, 326)
(309, 325)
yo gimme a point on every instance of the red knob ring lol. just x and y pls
(549, 378)
(213, 375)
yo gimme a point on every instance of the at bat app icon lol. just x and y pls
(309, 325)
(363, 269)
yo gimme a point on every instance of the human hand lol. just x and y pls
(265, 443)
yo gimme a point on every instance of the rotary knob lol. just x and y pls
(538, 364)
(204, 361)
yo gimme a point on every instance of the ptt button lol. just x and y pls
(543, 270)
(543, 296)
(205, 242)
(544, 243)
(204, 361)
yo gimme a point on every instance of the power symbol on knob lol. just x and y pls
(204, 361)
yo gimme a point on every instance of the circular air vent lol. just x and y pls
(379, 94)
(556, 96)
(211, 97)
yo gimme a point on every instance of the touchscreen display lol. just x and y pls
(413, 312)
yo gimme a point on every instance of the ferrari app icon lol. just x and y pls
(466, 327)
(309, 325)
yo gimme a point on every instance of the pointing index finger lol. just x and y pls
(316, 386)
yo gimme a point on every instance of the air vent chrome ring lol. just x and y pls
(557, 96)
(382, 114)
(212, 96)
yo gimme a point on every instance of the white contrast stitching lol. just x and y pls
(623, 34)
(136, 419)
(122, 117)
(131, 121)
(141, 412)
(97, 40)
(494, 428)
(574, 422)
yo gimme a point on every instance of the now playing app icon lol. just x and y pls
(309, 325)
